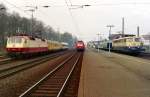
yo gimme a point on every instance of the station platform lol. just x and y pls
(114, 75)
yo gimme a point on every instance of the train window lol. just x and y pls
(32, 38)
(137, 39)
(124, 40)
(43, 39)
(116, 41)
(18, 40)
(8, 40)
(129, 40)
(11, 40)
(14, 40)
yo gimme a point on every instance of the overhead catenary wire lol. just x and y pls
(94, 4)
(73, 19)
(22, 10)
(25, 11)
(70, 2)
(120, 4)
(19, 8)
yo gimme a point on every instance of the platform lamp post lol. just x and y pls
(110, 27)
(98, 38)
(32, 11)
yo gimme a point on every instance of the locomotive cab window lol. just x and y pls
(11, 40)
(18, 40)
(14, 40)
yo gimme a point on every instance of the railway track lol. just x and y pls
(5, 61)
(144, 55)
(2, 57)
(9, 71)
(55, 83)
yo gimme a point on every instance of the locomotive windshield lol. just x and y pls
(14, 40)
(11, 40)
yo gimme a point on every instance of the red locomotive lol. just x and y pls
(80, 46)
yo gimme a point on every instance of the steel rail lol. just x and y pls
(45, 77)
(9, 60)
(12, 70)
(68, 77)
(5, 61)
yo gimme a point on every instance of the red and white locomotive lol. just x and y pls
(28, 45)
(80, 46)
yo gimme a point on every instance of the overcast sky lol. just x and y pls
(87, 22)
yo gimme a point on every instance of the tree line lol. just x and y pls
(13, 23)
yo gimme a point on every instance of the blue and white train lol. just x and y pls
(131, 45)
